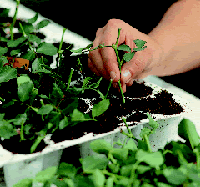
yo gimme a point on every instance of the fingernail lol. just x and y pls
(126, 75)
(112, 75)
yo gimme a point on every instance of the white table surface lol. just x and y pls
(54, 33)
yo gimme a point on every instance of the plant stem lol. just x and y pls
(21, 132)
(146, 140)
(70, 77)
(60, 47)
(130, 133)
(24, 34)
(108, 88)
(110, 157)
(14, 19)
(114, 46)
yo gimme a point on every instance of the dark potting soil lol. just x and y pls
(162, 104)
(16, 147)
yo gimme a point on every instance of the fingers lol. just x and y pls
(103, 61)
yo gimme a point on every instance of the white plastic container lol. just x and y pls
(17, 167)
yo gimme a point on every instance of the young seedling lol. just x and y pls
(126, 57)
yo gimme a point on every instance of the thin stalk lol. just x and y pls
(146, 140)
(70, 77)
(21, 132)
(124, 120)
(24, 34)
(60, 47)
(14, 20)
(114, 46)
(108, 88)
(110, 157)
(79, 64)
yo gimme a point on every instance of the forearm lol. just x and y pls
(178, 33)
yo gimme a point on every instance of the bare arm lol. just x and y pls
(178, 33)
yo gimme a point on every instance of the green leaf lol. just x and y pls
(67, 170)
(130, 145)
(24, 90)
(152, 124)
(144, 131)
(124, 182)
(23, 78)
(128, 56)
(15, 52)
(63, 123)
(98, 178)
(70, 106)
(57, 91)
(114, 168)
(27, 27)
(44, 176)
(139, 49)
(45, 109)
(36, 65)
(120, 154)
(4, 12)
(86, 81)
(42, 71)
(90, 45)
(20, 119)
(3, 60)
(24, 183)
(100, 107)
(100, 146)
(34, 19)
(124, 48)
(187, 131)
(94, 162)
(47, 49)
(3, 50)
(7, 74)
(78, 116)
(6, 130)
(15, 43)
(1, 117)
(33, 38)
(36, 143)
(50, 125)
(161, 184)
(170, 174)
(126, 170)
(142, 169)
(154, 159)
(27, 128)
(110, 182)
(4, 39)
(139, 43)
(77, 50)
(42, 24)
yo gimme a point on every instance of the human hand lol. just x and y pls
(103, 61)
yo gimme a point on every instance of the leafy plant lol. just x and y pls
(126, 57)
(33, 98)
(29, 86)
(177, 164)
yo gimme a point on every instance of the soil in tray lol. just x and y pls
(16, 147)
(162, 104)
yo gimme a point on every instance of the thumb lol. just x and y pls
(132, 69)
